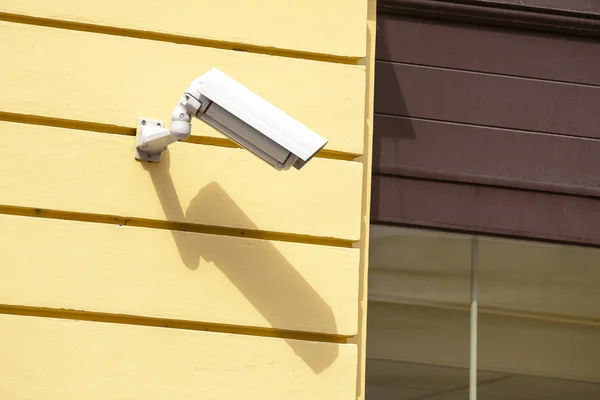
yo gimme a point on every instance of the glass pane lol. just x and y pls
(418, 314)
(539, 320)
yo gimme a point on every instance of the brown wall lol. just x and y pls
(488, 128)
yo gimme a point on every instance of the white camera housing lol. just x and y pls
(241, 115)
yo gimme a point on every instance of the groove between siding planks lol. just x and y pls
(487, 49)
(168, 323)
(338, 27)
(178, 275)
(173, 226)
(482, 99)
(485, 209)
(502, 157)
(113, 80)
(178, 39)
(45, 358)
(123, 130)
(94, 173)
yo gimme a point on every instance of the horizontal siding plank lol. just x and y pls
(114, 80)
(266, 23)
(453, 152)
(485, 209)
(96, 173)
(44, 358)
(511, 344)
(178, 275)
(487, 49)
(483, 99)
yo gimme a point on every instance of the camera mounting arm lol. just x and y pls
(152, 138)
(182, 114)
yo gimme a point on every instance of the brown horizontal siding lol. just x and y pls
(490, 156)
(487, 49)
(591, 7)
(557, 16)
(486, 129)
(483, 99)
(485, 209)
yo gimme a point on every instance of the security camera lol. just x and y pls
(240, 114)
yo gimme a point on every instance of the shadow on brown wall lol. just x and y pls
(388, 130)
(263, 295)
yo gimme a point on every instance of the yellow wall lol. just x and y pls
(209, 275)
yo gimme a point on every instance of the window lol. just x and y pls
(537, 327)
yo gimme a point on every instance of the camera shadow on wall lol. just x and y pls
(262, 293)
